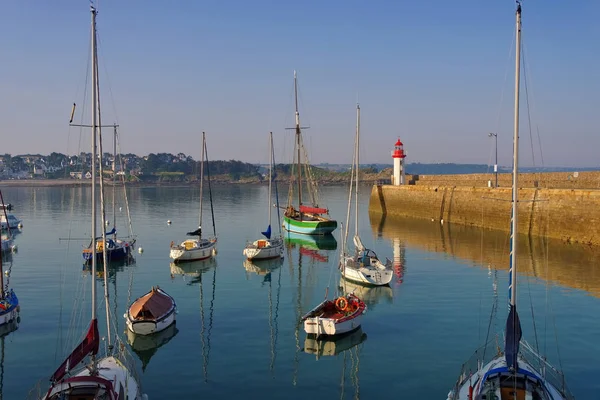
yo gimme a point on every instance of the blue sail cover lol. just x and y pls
(513, 337)
(112, 232)
(267, 233)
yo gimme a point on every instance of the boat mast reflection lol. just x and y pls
(196, 270)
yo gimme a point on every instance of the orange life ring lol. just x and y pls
(341, 303)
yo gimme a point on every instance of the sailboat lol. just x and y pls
(335, 317)
(268, 248)
(116, 249)
(363, 266)
(103, 377)
(201, 248)
(519, 372)
(9, 303)
(308, 220)
(7, 245)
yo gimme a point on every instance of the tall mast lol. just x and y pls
(114, 170)
(94, 128)
(515, 189)
(270, 174)
(357, 165)
(298, 140)
(201, 180)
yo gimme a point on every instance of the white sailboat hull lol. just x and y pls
(109, 369)
(472, 383)
(263, 249)
(376, 274)
(192, 250)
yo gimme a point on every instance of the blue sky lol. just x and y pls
(431, 72)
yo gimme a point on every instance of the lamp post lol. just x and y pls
(495, 135)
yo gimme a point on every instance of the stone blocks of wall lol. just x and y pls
(571, 215)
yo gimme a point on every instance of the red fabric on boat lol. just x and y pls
(313, 210)
(89, 345)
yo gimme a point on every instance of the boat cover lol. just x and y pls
(313, 210)
(151, 306)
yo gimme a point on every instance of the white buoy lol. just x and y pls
(140, 250)
(120, 208)
(442, 221)
(20, 225)
(168, 222)
(107, 223)
(14, 248)
(6, 272)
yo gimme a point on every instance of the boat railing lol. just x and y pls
(552, 375)
(480, 357)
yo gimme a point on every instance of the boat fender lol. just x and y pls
(341, 303)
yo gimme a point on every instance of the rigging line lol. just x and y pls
(131, 232)
(87, 69)
(102, 213)
(508, 62)
(212, 212)
(528, 109)
(107, 79)
(527, 71)
(535, 334)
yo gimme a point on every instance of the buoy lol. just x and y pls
(140, 250)
(168, 222)
(20, 225)
(6, 272)
(14, 248)
(107, 223)
(432, 219)
(120, 208)
(442, 221)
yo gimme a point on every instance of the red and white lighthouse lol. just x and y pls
(398, 155)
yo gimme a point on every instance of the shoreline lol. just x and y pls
(78, 183)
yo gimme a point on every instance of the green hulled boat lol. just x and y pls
(304, 219)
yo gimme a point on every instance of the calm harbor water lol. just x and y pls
(237, 330)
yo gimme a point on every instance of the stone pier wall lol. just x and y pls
(571, 215)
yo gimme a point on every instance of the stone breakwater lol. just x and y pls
(551, 180)
(571, 215)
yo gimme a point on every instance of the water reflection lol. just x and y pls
(311, 246)
(262, 267)
(5, 330)
(371, 295)
(571, 265)
(145, 346)
(196, 270)
(335, 345)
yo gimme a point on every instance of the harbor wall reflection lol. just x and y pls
(570, 265)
